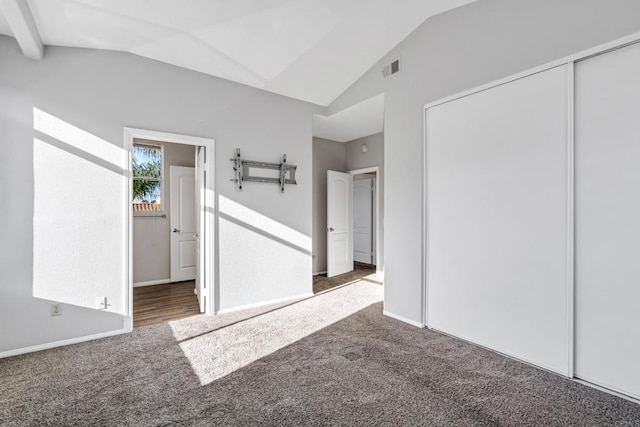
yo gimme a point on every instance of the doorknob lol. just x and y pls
(175, 230)
(330, 229)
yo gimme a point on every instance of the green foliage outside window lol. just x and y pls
(147, 173)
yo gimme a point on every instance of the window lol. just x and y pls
(147, 178)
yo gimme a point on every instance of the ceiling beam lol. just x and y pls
(24, 29)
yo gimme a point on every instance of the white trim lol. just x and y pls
(168, 137)
(496, 83)
(380, 275)
(611, 390)
(370, 169)
(262, 304)
(151, 283)
(585, 54)
(128, 290)
(403, 319)
(425, 221)
(376, 170)
(61, 343)
(570, 218)
(501, 352)
(209, 144)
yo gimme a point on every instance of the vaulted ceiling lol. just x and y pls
(311, 50)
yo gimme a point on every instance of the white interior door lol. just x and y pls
(339, 223)
(201, 179)
(607, 277)
(363, 220)
(183, 223)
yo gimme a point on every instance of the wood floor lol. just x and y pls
(321, 282)
(160, 303)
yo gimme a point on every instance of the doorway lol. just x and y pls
(353, 223)
(170, 233)
(364, 217)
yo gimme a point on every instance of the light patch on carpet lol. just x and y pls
(218, 353)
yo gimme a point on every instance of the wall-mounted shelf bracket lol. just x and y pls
(243, 169)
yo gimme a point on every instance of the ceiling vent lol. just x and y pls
(391, 69)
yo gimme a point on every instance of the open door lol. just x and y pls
(363, 212)
(201, 181)
(339, 223)
(183, 223)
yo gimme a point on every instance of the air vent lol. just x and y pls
(391, 69)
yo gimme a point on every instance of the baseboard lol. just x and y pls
(61, 343)
(151, 283)
(319, 272)
(380, 275)
(608, 389)
(403, 319)
(262, 304)
(504, 353)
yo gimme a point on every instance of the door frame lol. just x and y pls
(376, 170)
(129, 135)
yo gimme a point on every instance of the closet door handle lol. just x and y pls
(175, 230)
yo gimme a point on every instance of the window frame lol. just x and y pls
(162, 212)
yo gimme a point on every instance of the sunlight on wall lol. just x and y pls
(79, 217)
(259, 259)
(78, 138)
(264, 223)
(215, 354)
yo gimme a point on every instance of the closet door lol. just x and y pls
(497, 218)
(607, 310)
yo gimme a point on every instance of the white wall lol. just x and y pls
(327, 155)
(374, 156)
(449, 53)
(101, 92)
(151, 234)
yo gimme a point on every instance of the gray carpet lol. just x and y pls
(362, 369)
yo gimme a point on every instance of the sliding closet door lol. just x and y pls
(608, 220)
(497, 218)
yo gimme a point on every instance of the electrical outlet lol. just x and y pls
(101, 303)
(56, 309)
